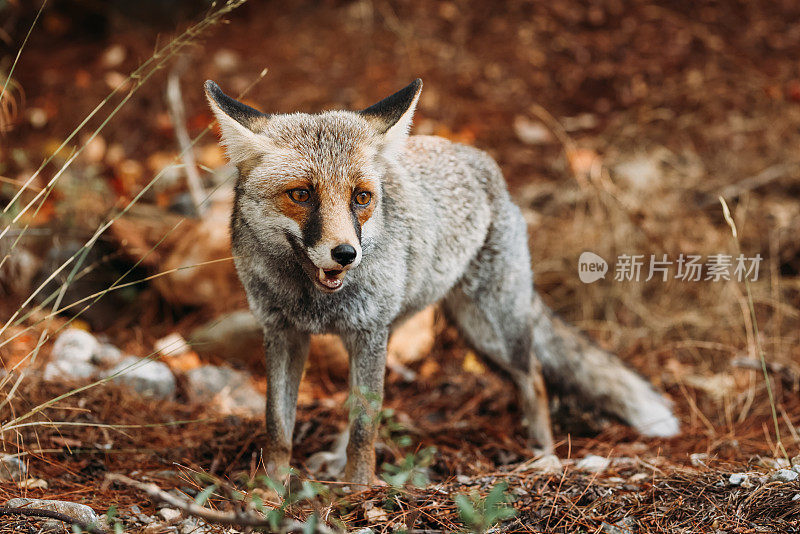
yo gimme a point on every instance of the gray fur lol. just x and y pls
(444, 229)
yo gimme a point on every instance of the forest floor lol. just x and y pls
(618, 126)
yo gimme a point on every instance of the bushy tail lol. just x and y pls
(572, 362)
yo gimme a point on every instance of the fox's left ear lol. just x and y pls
(239, 124)
(392, 116)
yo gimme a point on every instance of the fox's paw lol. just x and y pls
(547, 464)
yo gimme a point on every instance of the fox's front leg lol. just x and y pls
(367, 369)
(286, 351)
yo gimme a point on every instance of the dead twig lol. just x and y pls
(788, 376)
(770, 174)
(189, 507)
(236, 518)
(178, 114)
(49, 514)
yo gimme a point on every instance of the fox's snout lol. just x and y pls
(344, 254)
(332, 235)
(335, 254)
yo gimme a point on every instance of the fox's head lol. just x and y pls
(311, 184)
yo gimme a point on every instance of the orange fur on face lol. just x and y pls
(363, 213)
(335, 200)
(290, 208)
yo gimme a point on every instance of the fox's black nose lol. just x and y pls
(344, 254)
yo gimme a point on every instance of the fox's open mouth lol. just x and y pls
(326, 280)
(330, 280)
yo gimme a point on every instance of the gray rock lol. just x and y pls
(593, 463)
(784, 475)
(698, 459)
(169, 514)
(76, 354)
(52, 526)
(531, 132)
(233, 336)
(68, 370)
(231, 389)
(194, 525)
(147, 377)
(641, 172)
(623, 526)
(75, 345)
(739, 479)
(81, 512)
(12, 469)
(107, 354)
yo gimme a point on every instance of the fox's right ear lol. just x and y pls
(238, 123)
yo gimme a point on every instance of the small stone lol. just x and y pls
(81, 512)
(626, 524)
(169, 514)
(796, 497)
(33, 483)
(784, 475)
(235, 335)
(698, 459)
(608, 528)
(774, 463)
(232, 390)
(51, 526)
(147, 377)
(159, 528)
(194, 525)
(68, 370)
(641, 172)
(76, 353)
(593, 463)
(531, 132)
(107, 354)
(796, 461)
(375, 514)
(12, 469)
(75, 345)
(140, 517)
(738, 479)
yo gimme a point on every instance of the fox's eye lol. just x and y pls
(363, 198)
(299, 195)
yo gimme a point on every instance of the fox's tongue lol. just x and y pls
(331, 279)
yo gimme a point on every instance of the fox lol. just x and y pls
(344, 223)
